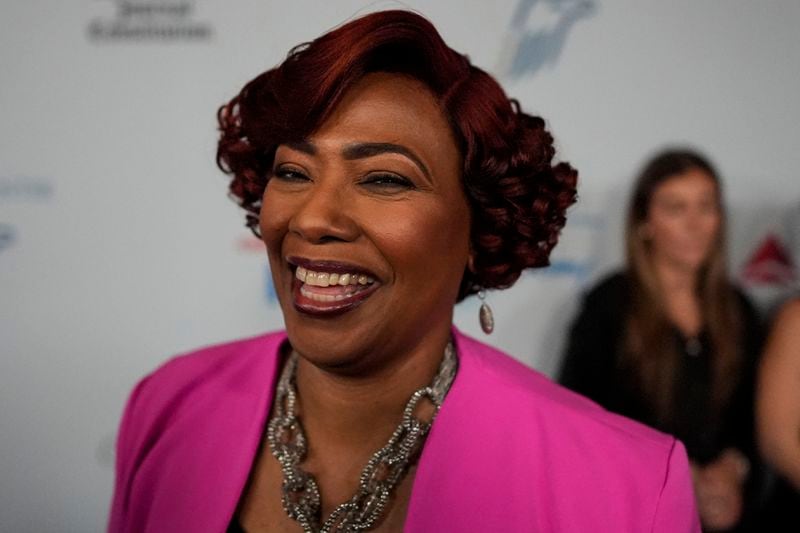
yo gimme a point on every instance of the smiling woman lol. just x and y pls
(388, 179)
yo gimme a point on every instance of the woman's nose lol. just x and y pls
(324, 214)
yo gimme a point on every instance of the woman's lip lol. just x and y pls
(308, 306)
(331, 267)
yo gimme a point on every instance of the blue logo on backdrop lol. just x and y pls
(25, 188)
(150, 20)
(7, 236)
(538, 32)
(21, 190)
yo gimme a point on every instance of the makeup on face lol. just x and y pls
(367, 224)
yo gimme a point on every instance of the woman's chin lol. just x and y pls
(334, 339)
(691, 262)
(332, 355)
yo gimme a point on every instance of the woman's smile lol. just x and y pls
(328, 288)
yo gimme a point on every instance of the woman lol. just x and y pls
(778, 410)
(388, 178)
(669, 341)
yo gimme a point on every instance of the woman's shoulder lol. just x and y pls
(201, 407)
(602, 302)
(602, 468)
(786, 312)
(216, 362)
(786, 327)
(535, 396)
(186, 381)
(790, 312)
(612, 286)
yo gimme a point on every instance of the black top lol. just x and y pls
(591, 367)
(235, 526)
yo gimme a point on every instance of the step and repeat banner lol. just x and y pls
(119, 248)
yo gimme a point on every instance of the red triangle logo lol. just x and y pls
(770, 264)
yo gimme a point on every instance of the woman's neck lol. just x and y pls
(676, 279)
(682, 303)
(359, 413)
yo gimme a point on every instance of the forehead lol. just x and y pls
(693, 182)
(384, 107)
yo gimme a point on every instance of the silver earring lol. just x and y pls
(485, 314)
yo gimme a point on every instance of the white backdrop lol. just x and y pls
(118, 247)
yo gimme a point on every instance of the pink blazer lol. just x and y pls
(509, 451)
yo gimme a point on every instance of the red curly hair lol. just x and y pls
(517, 195)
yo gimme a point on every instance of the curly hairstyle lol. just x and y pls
(517, 195)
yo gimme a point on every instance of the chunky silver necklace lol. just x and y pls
(383, 472)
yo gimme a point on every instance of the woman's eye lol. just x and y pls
(387, 181)
(289, 174)
(674, 208)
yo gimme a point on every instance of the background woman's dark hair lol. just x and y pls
(518, 198)
(653, 358)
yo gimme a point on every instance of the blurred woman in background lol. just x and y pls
(778, 420)
(669, 341)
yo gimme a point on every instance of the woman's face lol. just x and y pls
(367, 227)
(683, 220)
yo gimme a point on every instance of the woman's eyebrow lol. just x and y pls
(302, 146)
(363, 150)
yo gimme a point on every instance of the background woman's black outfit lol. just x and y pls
(591, 366)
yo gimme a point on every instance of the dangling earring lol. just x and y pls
(485, 314)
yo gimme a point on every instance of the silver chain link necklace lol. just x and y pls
(383, 472)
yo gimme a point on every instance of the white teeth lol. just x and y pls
(322, 297)
(326, 279)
